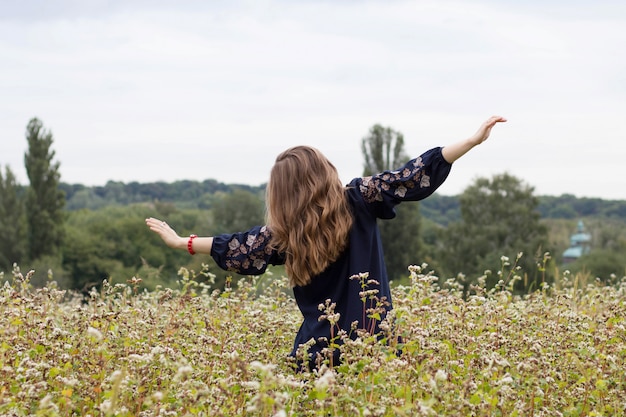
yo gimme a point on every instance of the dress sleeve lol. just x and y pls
(416, 180)
(247, 253)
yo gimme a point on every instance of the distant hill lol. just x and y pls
(444, 209)
(200, 194)
(188, 194)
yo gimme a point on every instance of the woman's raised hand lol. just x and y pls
(453, 152)
(484, 130)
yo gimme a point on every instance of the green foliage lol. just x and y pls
(572, 207)
(44, 199)
(12, 222)
(607, 233)
(47, 268)
(193, 194)
(113, 243)
(195, 350)
(402, 241)
(499, 218)
(441, 209)
(81, 197)
(601, 263)
(184, 194)
(237, 212)
(608, 245)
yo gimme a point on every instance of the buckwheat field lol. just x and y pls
(197, 351)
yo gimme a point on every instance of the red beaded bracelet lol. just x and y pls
(190, 244)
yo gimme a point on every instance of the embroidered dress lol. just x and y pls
(370, 198)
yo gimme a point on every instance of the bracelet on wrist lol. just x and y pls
(190, 244)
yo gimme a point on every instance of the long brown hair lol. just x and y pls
(307, 212)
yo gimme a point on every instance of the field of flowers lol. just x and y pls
(193, 350)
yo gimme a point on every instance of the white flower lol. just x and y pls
(183, 372)
(71, 382)
(426, 410)
(46, 403)
(136, 357)
(116, 376)
(261, 367)
(506, 380)
(326, 379)
(105, 406)
(157, 350)
(94, 333)
(441, 376)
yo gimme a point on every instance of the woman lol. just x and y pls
(326, 236)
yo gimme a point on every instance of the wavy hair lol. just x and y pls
(307, 212)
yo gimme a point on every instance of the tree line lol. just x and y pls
(442, 209)
(86, 234)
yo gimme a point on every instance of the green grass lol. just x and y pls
(199, 351)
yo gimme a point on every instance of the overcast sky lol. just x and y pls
(145, 90)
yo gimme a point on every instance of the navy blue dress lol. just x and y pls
(370, 198)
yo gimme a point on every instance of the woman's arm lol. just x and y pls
(246, 253)
(453, 152)
(171, 238)
(414, 181)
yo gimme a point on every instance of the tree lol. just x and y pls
(110, 243)
(237, 211)
(12, 227)
(377, 150)
(498, 218)
(44, 198)
(601, 263)
(383, 149)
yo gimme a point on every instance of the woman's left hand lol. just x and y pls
(165, 232)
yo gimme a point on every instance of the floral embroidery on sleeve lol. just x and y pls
(233, 244)
(253, 253)
(401, 191)
(400, 182)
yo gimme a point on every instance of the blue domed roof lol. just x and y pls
(573, 252)
(579, 238)
(580, 243)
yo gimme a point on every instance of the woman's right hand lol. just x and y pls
(484, 130)
(453, 152)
